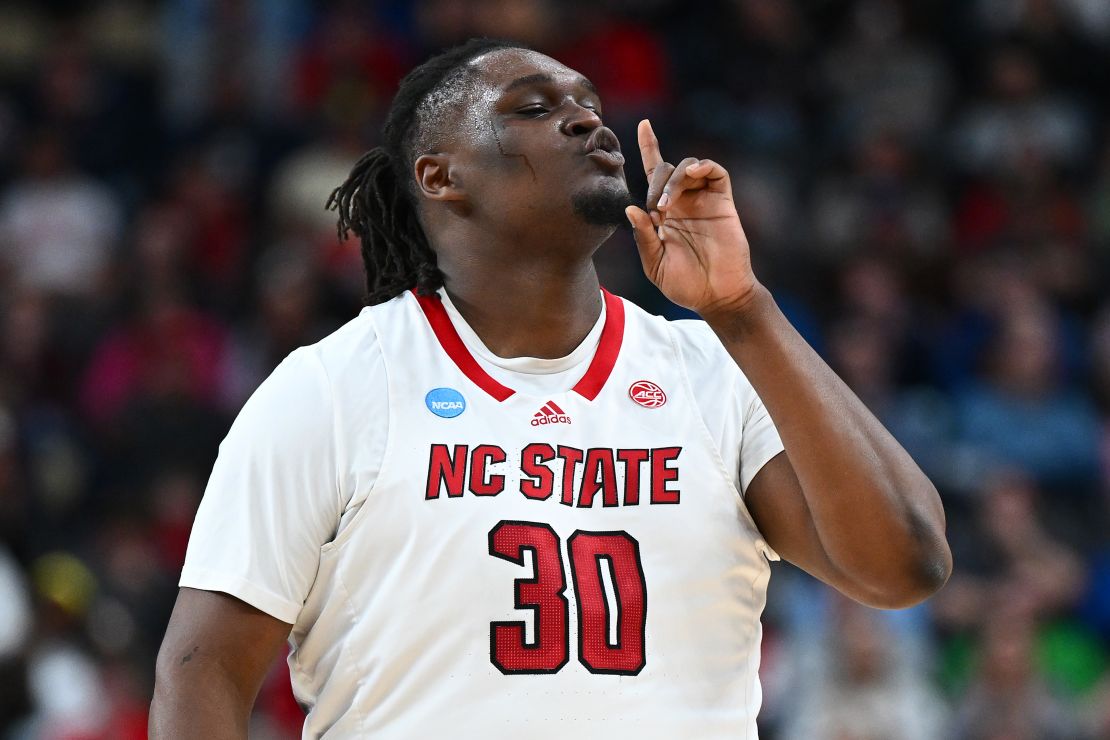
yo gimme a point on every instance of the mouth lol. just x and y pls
(603, 147)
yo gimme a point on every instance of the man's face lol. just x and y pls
(531, 143)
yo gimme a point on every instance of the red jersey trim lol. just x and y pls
(608, 348)
(452, 343)
(605, 357)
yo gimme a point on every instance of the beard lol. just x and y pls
(603, 206)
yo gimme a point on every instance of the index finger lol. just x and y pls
(649, 147)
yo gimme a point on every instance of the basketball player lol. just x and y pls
(502, 502)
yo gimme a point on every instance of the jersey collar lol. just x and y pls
(591, 383)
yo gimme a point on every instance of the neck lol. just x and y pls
(528, 310)
(526, 289)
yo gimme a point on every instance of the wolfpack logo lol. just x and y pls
(550, 414)
(647, 394)
(445, 402)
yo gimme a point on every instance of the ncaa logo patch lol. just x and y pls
(445, 402)
(647, 394)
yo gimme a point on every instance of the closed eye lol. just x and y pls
(533, 110)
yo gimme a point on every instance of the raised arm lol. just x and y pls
(213, 659)
(845, 502)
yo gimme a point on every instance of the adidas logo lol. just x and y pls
(550, 414)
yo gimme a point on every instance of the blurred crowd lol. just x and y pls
(926, 186)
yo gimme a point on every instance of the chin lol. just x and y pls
(603, 204)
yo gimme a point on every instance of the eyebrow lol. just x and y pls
(541, 78)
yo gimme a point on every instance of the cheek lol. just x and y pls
(529, 144)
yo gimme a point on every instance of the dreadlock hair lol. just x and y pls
(378, 200)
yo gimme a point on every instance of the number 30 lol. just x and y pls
(544, 594)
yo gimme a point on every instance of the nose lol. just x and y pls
(580, 121)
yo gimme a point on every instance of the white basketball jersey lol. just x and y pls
(576, 564)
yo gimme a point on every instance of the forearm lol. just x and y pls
(878, 518)
(198, 701)
(857, 510)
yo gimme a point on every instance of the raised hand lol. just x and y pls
(692, 244)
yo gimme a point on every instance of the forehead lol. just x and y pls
(501, 67)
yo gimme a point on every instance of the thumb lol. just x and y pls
(647, 239)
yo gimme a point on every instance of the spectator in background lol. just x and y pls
(170, 351)
(880, 78)
(1039, 18)
(348, 68)
(15, 629)
(442, 23)
(67, 697)
(983, 291)
(886, 204)
(211, 208)
(1022, 414)
(1007, 697)
(864, 691)
(16, 614)
(1009, 563)
(58, 228)
(624, 58)
(160, 376)
(864, 351)
(31, 368)
(346, 74)
(1014, 578)
(249, 43)
(1095, 715)
(534, 23)
(102, 109)
(1018, 119)
(1027, 206)
(760, 112)
(286, 316)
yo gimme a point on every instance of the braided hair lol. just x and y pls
(377, 202)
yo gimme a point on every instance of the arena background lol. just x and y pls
(926, 186)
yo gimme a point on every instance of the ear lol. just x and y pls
(436, 178)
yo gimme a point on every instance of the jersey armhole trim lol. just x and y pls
(688, 386)
(342, 536)
(763, 545)
(337, 440)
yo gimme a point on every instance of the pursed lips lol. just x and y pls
(603, 147)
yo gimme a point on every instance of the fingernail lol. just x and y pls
(659, 231)
(664, 200)
(628, 215)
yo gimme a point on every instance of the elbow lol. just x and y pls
(918, 582)
(914, 579)
(925, 564)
